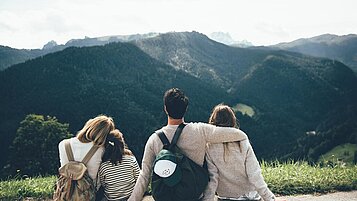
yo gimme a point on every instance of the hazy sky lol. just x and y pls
(32, 23)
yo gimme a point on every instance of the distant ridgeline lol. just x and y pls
(342, 48)
(279, 96)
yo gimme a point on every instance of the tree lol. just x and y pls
(35, 147)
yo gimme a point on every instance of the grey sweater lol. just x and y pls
(192, 142)
(235, 173)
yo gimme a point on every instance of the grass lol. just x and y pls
(38, 187)
(244, 109)
(301, 178)
(342, 153)
(282, 178)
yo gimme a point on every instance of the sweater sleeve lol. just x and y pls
(213, 183)
(255, 175)
(145, 174)
(62, 153)
(216, 134)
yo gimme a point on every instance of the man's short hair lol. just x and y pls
(176, 103)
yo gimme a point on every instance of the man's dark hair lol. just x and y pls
(176, 103)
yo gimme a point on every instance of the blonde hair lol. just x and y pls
(222, 115)
(96, 130)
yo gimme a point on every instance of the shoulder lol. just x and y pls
(104, 166)
(153, 143)
(153, 138)
(198, 127)
(131, 158)
(245, 145)
(62, 143)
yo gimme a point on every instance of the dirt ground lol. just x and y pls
(338, 196)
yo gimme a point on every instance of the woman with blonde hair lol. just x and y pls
(119, 169)
(93, 133)
(234, 170)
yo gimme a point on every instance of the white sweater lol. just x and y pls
(192, 143)
(239, 174)
(80, 149)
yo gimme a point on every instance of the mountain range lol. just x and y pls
(341, 48)
(292, 94)
(277, 84)
(10, 56)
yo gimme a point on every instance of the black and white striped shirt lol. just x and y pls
(119, 180)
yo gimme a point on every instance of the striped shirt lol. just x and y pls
(119, 180)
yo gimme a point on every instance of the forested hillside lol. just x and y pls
(291, 93)
(300, 106)
(79, 83)
(342, 48)
(11, 56)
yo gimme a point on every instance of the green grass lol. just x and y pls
(342, 153)
(37, 187)
(282, 178)
(244, 109)
(302, 178)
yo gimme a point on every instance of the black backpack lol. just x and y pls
(186, 183)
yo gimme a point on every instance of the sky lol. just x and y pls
(30, 24)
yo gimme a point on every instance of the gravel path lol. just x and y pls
(338, 196)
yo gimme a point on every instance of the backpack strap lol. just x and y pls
(69, 151)
(86, 158)
(177, 134)
(163, 139)
(90, 153)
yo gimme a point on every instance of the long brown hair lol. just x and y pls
(115, 147)
(222, 115)
(96, 130)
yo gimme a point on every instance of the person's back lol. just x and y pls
(234, 169)
(239, 172)
(79, 151)
(80, 158)
(192, 141)
(119, 169)
(93, 133)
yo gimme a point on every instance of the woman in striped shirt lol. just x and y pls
(119, 169)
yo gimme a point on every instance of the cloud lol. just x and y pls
(33, 23)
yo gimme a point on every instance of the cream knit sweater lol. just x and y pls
(236, 173)
(192, 142)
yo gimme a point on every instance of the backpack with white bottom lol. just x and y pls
(176, 177)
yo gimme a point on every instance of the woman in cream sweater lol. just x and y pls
(234, 170)
(93, 133)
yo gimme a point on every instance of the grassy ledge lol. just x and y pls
(36, 187)
(282, 178)
(301, 178)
